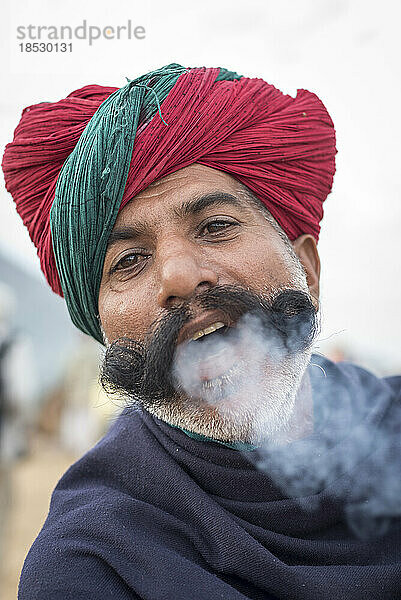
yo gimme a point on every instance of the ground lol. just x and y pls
(31, 483)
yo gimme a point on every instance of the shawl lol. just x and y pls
(151, 513)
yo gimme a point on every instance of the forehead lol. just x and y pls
(172, 190)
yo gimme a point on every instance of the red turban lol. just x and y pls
(281, 148)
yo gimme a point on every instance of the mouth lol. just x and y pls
(208, 354)
(202, 333)
(200, 328)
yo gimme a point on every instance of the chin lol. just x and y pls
(250, 407)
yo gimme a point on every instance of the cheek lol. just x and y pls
(271, 271)
(122, 315)
(261, 263)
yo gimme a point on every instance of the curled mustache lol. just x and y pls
(144, 370)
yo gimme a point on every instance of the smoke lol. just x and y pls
(145, 370)
(238, 383)
(318, 433)
(352, 456)
(250, 374)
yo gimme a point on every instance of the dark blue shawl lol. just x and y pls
(151, 513)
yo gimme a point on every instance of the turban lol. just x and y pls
(74, 164)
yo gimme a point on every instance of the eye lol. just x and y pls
(135, 260)
(217, 227)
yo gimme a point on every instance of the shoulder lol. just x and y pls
(394, 382)
(356, 376)
(57, 568)
(351, 385)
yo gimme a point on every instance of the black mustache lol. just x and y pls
(143, 370)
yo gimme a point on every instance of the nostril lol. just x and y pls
(173, 302)
(182, 278)
(203, 286)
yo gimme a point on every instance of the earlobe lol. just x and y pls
(306, 250)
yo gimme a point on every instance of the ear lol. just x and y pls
(306, 250)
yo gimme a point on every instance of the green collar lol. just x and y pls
(203, 438)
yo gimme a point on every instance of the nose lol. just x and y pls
(182, 274)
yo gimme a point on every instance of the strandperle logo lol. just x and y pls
(81, 32)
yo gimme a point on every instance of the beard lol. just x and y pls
(238, 383)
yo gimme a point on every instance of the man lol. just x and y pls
(179, 217)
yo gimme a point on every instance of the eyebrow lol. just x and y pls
(189, 208)
(199, 203)
(126, 232)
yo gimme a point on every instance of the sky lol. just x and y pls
(346, 51)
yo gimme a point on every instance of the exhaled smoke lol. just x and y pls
(353, 456)
(147, 371)
(244, 382)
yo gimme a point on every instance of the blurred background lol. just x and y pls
(346, 51)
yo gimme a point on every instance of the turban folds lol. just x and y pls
(74, 164)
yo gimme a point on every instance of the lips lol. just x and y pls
(208, 330)
(201, 326)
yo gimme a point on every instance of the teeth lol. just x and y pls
(207, 330)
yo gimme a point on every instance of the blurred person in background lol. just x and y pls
(86, 411)
(17, 388)
(179, 218)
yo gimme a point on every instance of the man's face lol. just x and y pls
(186, 235)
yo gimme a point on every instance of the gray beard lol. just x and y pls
(273, 408)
